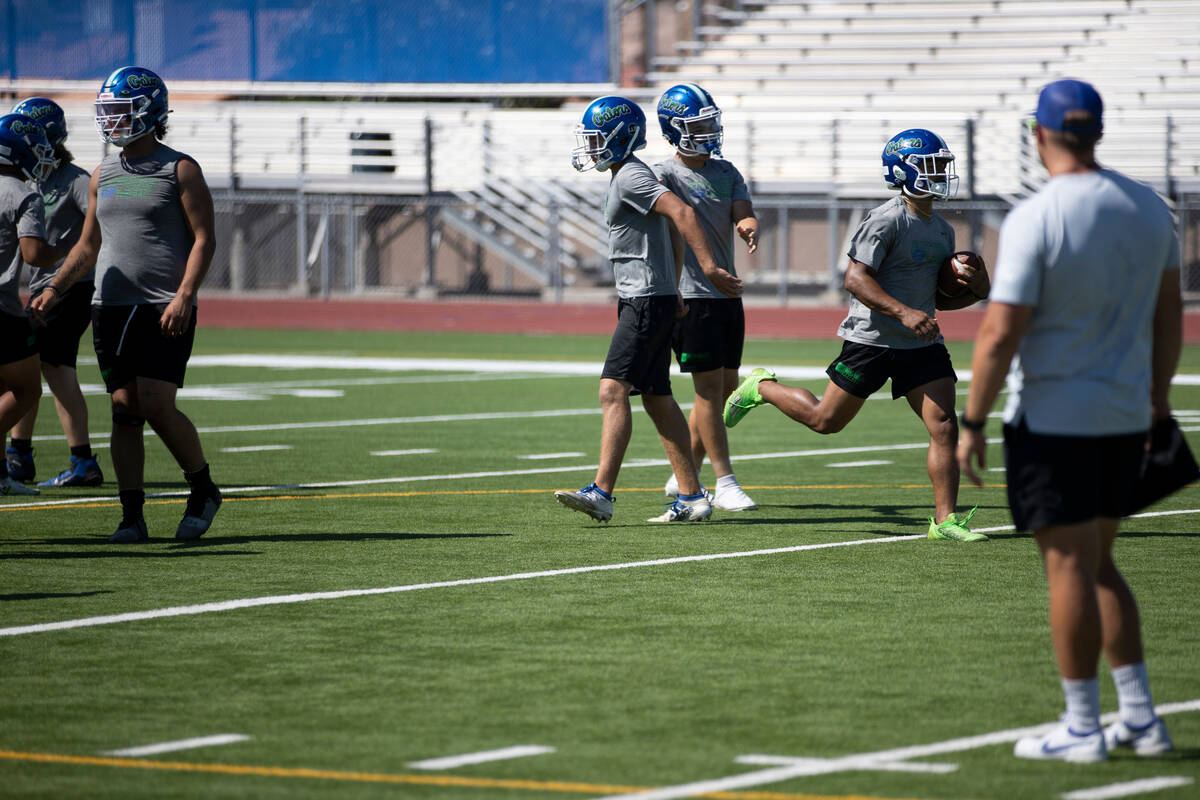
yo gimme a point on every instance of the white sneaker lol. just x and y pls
(686, 511)
(1151, 740)
(733, 499)
(589, 501)
(672, 487)
(1063, 744)
(10, 487)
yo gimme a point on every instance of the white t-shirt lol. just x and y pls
(1088, 252)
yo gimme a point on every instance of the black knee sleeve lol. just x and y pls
(123, 417)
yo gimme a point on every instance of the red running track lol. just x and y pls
(529, 317)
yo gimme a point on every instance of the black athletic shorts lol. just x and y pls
(862, 369)
(130, 344)
(640, 352)
(710, 335)
(58, 338)
(17, 339)
(1061, 480)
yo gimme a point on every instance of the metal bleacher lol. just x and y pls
(810, 91)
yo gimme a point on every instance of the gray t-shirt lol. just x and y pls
(711, 191)
(21, 216)
(65, 196)
(1088, 252)
(144, 237)
(906, 252)
(639, 242)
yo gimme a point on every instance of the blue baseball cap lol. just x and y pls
(1060, 98)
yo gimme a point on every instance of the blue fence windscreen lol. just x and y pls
(405, 41)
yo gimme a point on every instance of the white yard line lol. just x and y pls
(450, 762)
(548, 456)
(258, 448)
(858, 464)
(863, 761)
(883, 766)
(1143, 786)
(416, 451)
(272, 600)
(180, 744)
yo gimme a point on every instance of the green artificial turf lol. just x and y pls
(644, 676)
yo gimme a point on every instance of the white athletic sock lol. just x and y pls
(1083, 704)
(726, 482)
(1133, 694)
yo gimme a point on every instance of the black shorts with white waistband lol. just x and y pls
(130, 344)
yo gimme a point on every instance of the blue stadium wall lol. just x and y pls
(423, 41)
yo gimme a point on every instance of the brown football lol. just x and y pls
(949, 273)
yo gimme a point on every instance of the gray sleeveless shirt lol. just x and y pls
(65, 196)
(144, 236)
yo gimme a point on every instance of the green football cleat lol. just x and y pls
(746, 396)
(955, 528)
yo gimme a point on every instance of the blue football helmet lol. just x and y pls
(690, 120)
(611, 130)
(919, 164)
(23, 145)
(130, 103)
(49, 114)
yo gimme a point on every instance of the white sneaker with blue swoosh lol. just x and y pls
(1064, 744)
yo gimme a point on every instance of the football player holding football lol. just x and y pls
(891, 332)
(148, 234)
(708, 339)
(637, 210)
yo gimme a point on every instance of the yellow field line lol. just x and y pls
(378, 777)
(459, 492)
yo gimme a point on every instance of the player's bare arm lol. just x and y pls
(197, 204)
(1168, 341)
(745, 223)
(683, 217)
(860, 281)
(80, 259)
(677, 252)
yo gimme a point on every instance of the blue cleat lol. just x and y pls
(20, 465)
(82, 472)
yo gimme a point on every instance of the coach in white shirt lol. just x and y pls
(1086, 296)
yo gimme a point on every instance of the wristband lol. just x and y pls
(970, 424)
(52, 288)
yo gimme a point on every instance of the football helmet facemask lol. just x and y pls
(23, 145)
(919, 164)
(131, 102)
(690, 120)
(611, 130)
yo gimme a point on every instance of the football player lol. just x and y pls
(65, 195)
(149, 235)
(637, 210)
(891, 332)
(708, 339)
(25, 155)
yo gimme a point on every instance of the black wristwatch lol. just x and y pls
(970, 424)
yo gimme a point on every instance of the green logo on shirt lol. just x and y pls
(124, 186)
